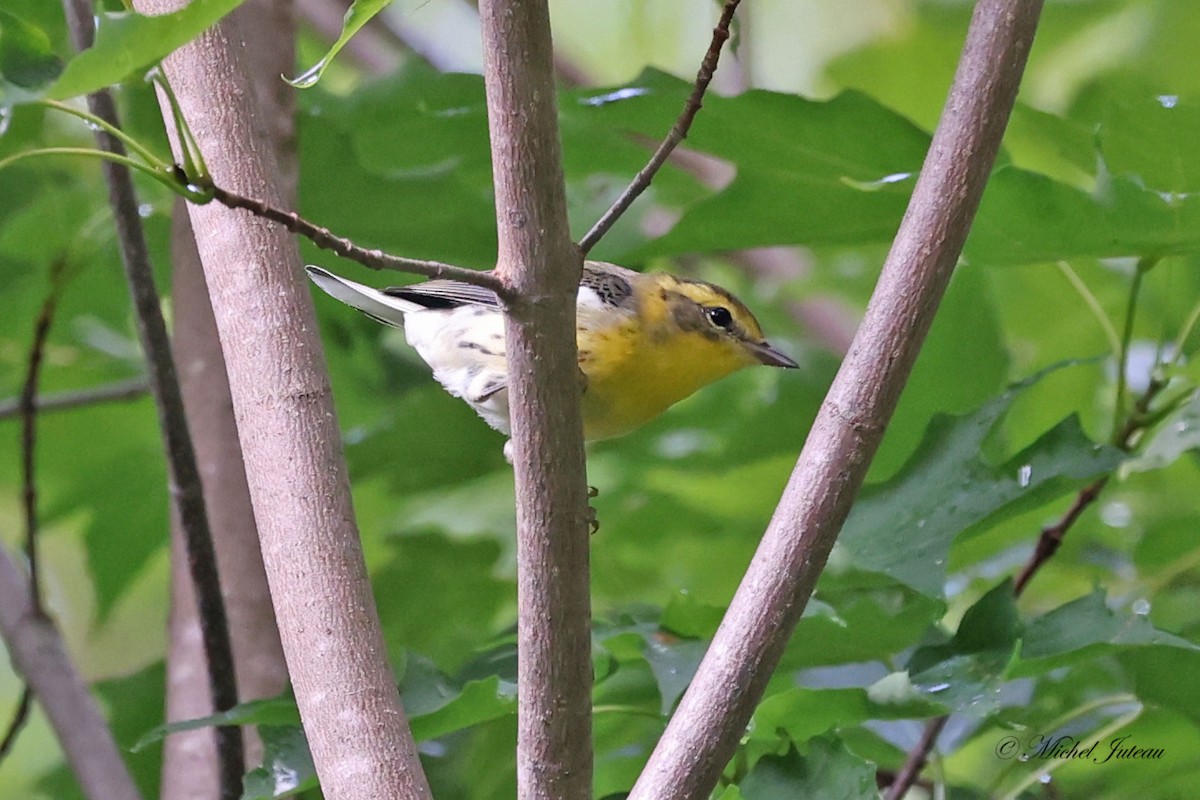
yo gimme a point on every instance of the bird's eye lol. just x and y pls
(719, 316)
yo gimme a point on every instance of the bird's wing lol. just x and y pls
(445, 294)
(375, 304)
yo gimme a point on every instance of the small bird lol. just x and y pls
(646, 340)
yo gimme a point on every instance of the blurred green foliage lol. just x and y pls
(914, 616)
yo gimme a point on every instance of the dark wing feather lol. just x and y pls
(445, 294)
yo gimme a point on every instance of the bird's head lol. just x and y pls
(717, 325)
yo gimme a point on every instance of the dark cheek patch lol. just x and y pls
(690, 317)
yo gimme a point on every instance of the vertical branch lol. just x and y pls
(357, 730)
(181, 458)
(711, 717)
(541, 268)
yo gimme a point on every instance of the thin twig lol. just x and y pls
(20, 717)
(678, 133)
(1052, 535)
(27, 407)
(181, 457)
(917, 757)
(60, 401)
(373, 259)
(1143, 266)
(41, 330)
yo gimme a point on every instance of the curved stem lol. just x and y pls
(166, 177)
(1185, 333)
(1143, 266)
(91, 119)
(195, 170)
(1089, 299)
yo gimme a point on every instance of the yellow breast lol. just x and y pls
(643, 365)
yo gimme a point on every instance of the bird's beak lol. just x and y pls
(769, 355)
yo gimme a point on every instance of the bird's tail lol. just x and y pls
(372, 302)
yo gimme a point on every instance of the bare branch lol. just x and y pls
(17, 723)
(916, 759)
(357, 730)
(373, 259)
(40, 657)
(181, 457)
(542, 268)
(711, 717)
(41, 331)
(679, 131)
(61, 401)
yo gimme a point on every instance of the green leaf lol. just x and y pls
(1087, 626)
(864, 625)
(1153, 140)
(904, 527)
(279, 710)
(674, 663)
(965, 672)
(358, 15)
(127, 43)
(26, 57)
(827, 770)
(437, 705)
(838, 171)
(287, 767)
(803, 713)
(1156, 675)
(1025, 217)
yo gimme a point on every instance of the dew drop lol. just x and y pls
(1116, 514)
(1024, 475)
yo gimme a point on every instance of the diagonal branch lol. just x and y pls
(372, 259)
(40, 656)
(711, 717)
(678, 132)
